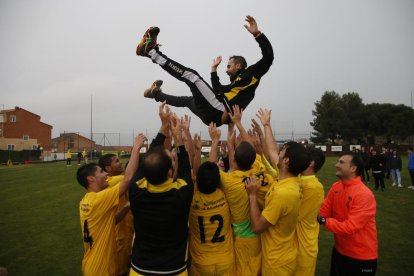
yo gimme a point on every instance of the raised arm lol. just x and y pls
(252, 26)
(264, 115)
(261, 137)
(197, 153)
(188, 140)
(164, 113)
(216, 63)
(263, 65)
(215, 134)
(236, 118)
(133, 163)
(231, 144)
(184, 168)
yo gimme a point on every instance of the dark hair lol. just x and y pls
(356, 161)
(208, 177)
(299, 157)
(105, 160)
(84, 171)
(410, 148)
(156, 165)
(244, 156)
(318, 157)
(239, 60)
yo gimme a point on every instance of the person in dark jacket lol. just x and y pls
(395, 168)
(366, 160)
(387, 156)
(210, 104)
(378, 167)
(160, 205)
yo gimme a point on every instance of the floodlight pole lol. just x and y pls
(90, 152)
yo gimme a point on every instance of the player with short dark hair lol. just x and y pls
(211, 236)
(124, 228)
(98, 214)
(277, 222)
(349, 212)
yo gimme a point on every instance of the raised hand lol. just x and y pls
(251, 186)
(236, 115)
(256, 128)
(197, 142)
(176, 127)
(216, 63)
(164, 112)
(139, 141)
(214, 132)
(185, 122)
(264, 115)
(252, 26)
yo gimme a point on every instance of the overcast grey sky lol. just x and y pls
(56, 54)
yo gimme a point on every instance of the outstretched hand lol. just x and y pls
(252, 26)
(216, 63)
(164, 113)
(139, 140)
(176, 126)
(264, 115)
(214, 132)
(185, 122)
(197, 142)
(236, 115)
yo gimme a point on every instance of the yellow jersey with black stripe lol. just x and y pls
(242, 89)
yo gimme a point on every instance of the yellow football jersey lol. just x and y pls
(307, 228)
(124, 230)
(211, 237)
(234, 184)
(97, 218)
(281, 210)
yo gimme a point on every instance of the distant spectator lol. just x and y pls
(68, 158)
(366, 159)
(378, 167)
(387, 157)
(85, 156)
(411, 166)
(79, 158)
(395, 167)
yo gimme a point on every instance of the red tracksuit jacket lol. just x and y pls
(350, 209)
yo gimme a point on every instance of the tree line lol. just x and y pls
(348, 119)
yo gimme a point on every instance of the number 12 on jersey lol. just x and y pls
(212, 220)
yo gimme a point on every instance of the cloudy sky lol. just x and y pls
(55, 55)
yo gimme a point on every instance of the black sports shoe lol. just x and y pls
(155, 88)
(148, 41)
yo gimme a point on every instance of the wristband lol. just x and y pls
(256, 34)
(321, 220)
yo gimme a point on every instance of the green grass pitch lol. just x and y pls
(40, 231)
